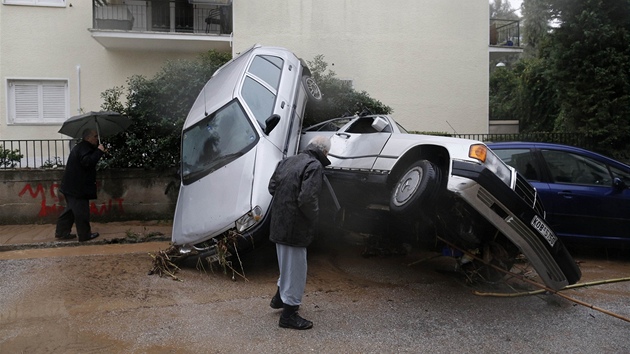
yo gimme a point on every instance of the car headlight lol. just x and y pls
(248, 220)
(492, 162)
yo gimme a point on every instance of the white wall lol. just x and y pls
(427, 59)
(47, 42)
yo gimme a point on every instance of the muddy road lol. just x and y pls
(100, 299)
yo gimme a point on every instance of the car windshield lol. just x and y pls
(215, 141)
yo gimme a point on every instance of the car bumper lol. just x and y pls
(516, 217)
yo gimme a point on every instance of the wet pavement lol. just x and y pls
(98, 297)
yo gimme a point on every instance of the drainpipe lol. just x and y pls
(79, 88)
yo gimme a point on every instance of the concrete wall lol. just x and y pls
(32, 196)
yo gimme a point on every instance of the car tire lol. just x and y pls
(419, 184)
(312, 89)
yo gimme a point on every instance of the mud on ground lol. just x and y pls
(100, 299)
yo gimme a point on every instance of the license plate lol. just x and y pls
(544, 230)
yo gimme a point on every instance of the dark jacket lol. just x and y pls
(79, 179)
(295, 186)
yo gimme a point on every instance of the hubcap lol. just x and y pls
(313, 88)
(407, 186)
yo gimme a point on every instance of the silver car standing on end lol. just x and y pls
(245, 120)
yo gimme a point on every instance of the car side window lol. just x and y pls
(571, 168)
(268, 69)
(259, 99)
(261, 86)
(364, 125)
(522, 160)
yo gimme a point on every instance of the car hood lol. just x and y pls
(211, 205)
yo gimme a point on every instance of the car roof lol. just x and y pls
(221, 88)
(552, 146)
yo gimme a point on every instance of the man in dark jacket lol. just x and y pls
(78, 185)
(295, 186)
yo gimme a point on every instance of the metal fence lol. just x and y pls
(574, 139)
(505, 32)
(51, 153)
(182, 16)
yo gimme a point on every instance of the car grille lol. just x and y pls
(529, 194)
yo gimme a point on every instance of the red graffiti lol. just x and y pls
(34, 194)
(105, 208)
(56, 208)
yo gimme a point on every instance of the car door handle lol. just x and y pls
(343, 135)
(566, 194)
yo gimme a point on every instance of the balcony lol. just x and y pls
(505, 38)
(171, 25)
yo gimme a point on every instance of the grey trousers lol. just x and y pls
(292, 280)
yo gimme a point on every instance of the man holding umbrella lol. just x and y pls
(79, 180)
(78, 185)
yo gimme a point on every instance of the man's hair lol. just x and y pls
(321, 142)
(87, 132)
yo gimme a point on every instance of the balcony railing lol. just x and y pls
(180, 16)
(505, 32)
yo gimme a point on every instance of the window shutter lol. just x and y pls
(53, 102)
(37, 101)
(53, 3)
(26, 102)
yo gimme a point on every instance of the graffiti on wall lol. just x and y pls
(52, 205)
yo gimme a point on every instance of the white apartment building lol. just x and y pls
(427, 59)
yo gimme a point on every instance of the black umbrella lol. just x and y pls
(105, 123)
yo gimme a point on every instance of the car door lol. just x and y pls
(268, 88)
(585, 203)
(359, 143)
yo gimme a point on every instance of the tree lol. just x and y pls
(589, 55)
(502, 9)
(538, 16)
(157, 108)
(576, 77)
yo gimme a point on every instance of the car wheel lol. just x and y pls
(312, 89)
(418, 184)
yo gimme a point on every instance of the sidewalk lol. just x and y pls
(14, 235)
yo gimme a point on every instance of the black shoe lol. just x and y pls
(91, 237)
(295, 322)
(65, 236)
(276, 301)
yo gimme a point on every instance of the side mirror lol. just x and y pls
(271, 123)
(619, 184)
(379, 124)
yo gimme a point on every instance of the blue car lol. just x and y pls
(586, 195)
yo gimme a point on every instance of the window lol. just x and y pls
(37, 101)
(259, 99)
(53, 3)
(268, 69)
(576, 169)
(522, 160)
